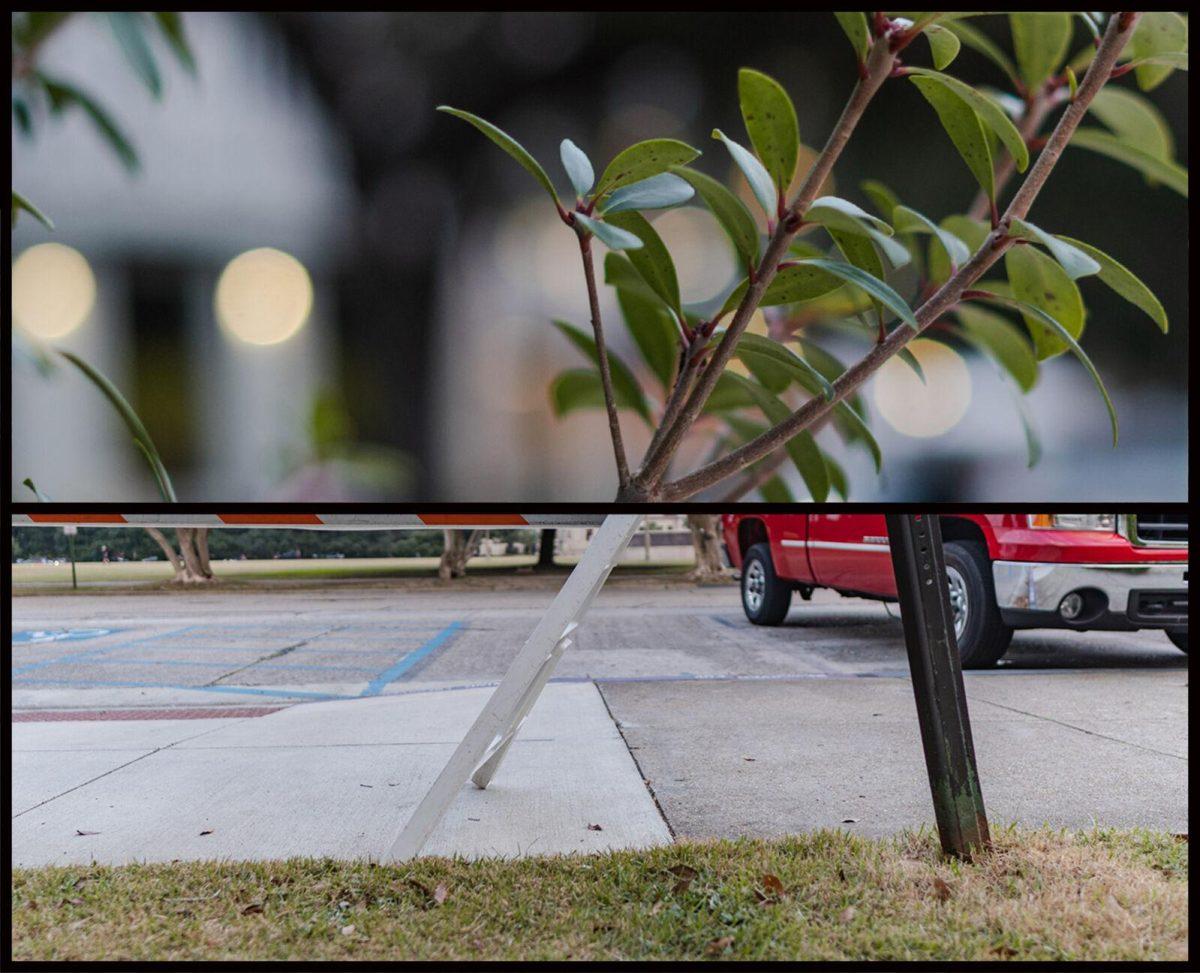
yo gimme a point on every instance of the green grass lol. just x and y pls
(49, 578)
(1037, 895)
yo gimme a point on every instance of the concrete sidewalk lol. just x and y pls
(771, 758)
(330, 778)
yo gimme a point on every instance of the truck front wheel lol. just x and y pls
(765, 598)
(1179, 638)
(981, 634)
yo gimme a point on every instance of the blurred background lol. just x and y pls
(404, 350)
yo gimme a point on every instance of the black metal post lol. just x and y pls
(918, 560)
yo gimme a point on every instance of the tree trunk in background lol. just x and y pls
(459, 545)
(546, 549)
(706, 542)
(191, 561)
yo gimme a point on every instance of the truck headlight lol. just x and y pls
(1098, 522)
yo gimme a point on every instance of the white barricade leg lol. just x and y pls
(488, 739)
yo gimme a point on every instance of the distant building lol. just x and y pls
(238, 158)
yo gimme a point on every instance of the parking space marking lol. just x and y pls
(83, 656)
(405, 663)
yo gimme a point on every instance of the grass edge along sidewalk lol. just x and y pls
(1038, 895)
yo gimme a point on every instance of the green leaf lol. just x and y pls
(990, 113)
(652, 260)
(621, 274)
(134, 424)
(1049, 322)
(770, 120)
(775, 490)
(979, 42)
(1040, 41)
(643, 160)
(972, 232)
(844, 215)
(727, 394)
(752, 347)
(612, 237)
(170, 23)
(1135, 120)
(756, 175)
(729, 211)
(837, 477)
(127, 28)
(965, 131)
(653, 332)
(32, 487)
(791, 284)
(1002, 341)
(1170, 174)
(658, 192)
(876, 288)
(943, 45)
(1039, 281)
(1125, 283)
(855, 27)
(508, 144)
(1033, 445)
(1073, 260)
(1157, 33)
(910, 221)
(881, 196)
(63, 96)
(625, 386)
(801, 448)
(578, 167)
(19, 203)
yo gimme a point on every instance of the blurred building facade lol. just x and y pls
(240, 157)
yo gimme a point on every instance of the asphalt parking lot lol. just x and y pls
(722, 727)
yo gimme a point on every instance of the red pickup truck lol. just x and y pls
(1006, 571)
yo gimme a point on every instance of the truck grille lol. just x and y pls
(1157, 529)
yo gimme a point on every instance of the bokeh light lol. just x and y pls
(929, 408)
(53, 290)
(264, 296)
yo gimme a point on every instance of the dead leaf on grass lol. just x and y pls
(718, 946)
(685, 875)
(347, 930)
(441, 893)
(847, 914)
(941, 889)
(254, 908)
(770, 890)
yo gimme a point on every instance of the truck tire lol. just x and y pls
(982, 635)
(765, 598)
(1179, 638)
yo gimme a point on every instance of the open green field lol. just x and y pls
(1037, 895)
(94, 573)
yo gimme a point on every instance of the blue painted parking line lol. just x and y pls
(42, 636)
(220, 665)
(82, 656)
(406, 662)
(243, 690)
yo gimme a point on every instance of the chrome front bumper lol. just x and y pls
(1029, 593)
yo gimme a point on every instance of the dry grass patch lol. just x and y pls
(1038, 895)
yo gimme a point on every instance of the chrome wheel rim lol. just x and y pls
(754, 586)
(958, 600)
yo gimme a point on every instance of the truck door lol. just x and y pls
(850, 551)
(788, 534)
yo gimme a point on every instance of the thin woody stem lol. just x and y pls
(1119, 29)
(878, 68)
(610, 402)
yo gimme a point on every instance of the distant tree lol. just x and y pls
(706, 543)
(458, 548)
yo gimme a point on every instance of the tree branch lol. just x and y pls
(1120, 27)
(877, 69)
(610, 402)
(1036, 111)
